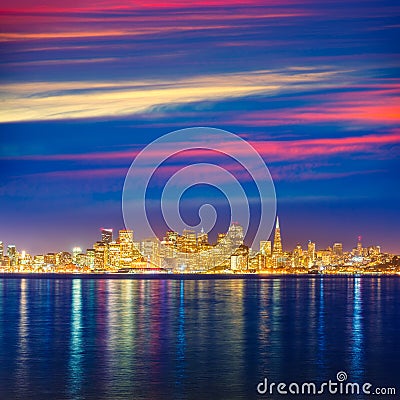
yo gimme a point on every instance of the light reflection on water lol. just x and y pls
(192, 339)
(76, 349)
(357, 330)
(21, 373)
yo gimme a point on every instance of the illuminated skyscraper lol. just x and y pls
(12, 254)
(239, 260)
(266, 247)
(90, 256)
(220, 237)
(297, 256)
(64, 258)
(1, 251)
(324, 257)
(150, 250)
(202, 238)
(75, 252)
(38, 261)
(311, 253)
(100, 255)
(235, 236)
(277, 239)
(171, 237)
(188, 241)
(114, 254)
(359, 247)
(168, 246)
(50, 258)
(127, 251)
(106, 235)
(337, 249)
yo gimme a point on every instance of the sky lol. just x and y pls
(313, 86)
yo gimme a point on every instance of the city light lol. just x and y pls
(191, 252)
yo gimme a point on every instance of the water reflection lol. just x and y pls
(23, 355)
(357, 332)
(76, 351)
(321, 326)
(191, 339)
(180, 346)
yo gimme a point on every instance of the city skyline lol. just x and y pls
(191, 251)
(347, 246)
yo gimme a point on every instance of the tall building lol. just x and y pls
(266, 247)
(90, 256)
(324, 257)
(150, 250)
(239, 260)
(187, 241)
(311, 253)
(38, 261)
(221, 237)
(100, 255)
(64, 258)
(1, 251)
(106, 235)
(125, 239)
(202, 238)
(171, 237)
(277, 239)
(337, 249)
(297, 256)
(235, 231)
(359, 247)
(114, 254)
(75, 252)
(12, 254)
(50, 258)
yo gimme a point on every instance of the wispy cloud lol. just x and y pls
(271, 150)
(66, 100)
(362, 105)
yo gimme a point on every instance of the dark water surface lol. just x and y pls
(194, 339)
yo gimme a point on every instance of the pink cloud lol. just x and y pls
(305, 158)
(380, 105)
(308, 148)
(307, 171)
(270, 150)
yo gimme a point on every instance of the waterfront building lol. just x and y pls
(75, 252)
(150, 250)
(106, 235)
(239, 260)
(114, 254)
(297, 256)
(38, 261)
(359, 247)
(337, 249)
(100, 255)
(12, 254)
(90, 255)
(64, 258)
(266, 248)
(50, 258)
(277, 251)
(125, 239)
(202, 240)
